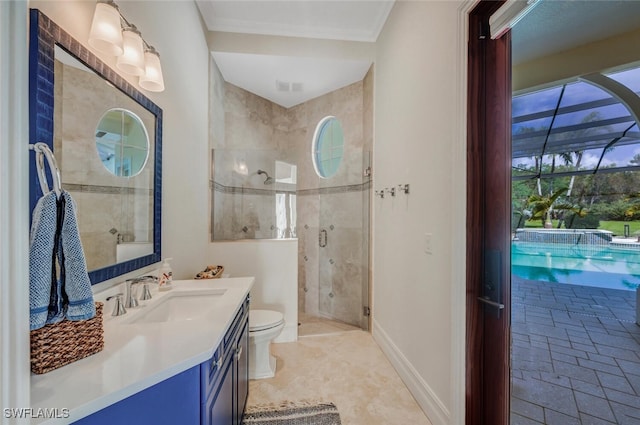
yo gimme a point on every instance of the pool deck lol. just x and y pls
(575, 355)
(625, 241)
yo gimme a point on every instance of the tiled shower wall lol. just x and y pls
(255, 132)
(105, 201)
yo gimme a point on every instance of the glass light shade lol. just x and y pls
(132, 59)
(106, 32)
(152, 79)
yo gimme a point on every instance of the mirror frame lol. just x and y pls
(44, 34)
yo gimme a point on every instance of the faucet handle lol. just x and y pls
(140, 279)
(150, 278)
(146, 294)
(118, 309)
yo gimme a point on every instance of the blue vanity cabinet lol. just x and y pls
(172, 401)
(225, 378)
(242, 374)
(217, 406)
(211, 393)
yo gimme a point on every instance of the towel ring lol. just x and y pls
(42, 151)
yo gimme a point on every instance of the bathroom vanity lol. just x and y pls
(181, 358)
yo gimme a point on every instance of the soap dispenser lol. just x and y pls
(165, 276)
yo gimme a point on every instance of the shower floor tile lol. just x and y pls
(312, 325)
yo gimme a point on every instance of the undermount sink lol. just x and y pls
(176, 306)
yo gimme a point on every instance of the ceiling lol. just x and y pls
(356, 20)
(290, 80)
(287, 80)
(555, 26)
(551, 27)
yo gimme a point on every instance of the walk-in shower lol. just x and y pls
(270, 179)
(330, 218)
(256, 204)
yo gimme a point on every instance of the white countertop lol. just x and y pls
(137, 356)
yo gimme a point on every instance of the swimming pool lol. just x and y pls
(589, 265)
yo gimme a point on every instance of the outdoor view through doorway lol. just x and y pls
(575, 353)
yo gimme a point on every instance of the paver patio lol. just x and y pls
(575, 355)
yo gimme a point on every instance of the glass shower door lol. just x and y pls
(343, 243)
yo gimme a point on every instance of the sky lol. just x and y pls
(579, 102)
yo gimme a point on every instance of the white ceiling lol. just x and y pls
(359, 20)
(551, 27)
(555, 26)
(355, 20)
(263, 74)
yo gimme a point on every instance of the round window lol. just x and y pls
(122, 142)
(328, 147)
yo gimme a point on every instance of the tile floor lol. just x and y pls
(575, 355)
(343, 367)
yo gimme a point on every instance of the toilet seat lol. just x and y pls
(260, 320)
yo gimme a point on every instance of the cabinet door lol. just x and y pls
(218, 410)
(242, 374)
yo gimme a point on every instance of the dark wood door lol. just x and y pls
(488, 220)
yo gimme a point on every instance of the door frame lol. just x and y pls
(14, 215)
(487, 389)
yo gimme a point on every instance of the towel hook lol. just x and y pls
(43, 151)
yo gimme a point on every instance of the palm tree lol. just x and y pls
(542, 206)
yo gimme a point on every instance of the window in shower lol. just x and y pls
(328, 147)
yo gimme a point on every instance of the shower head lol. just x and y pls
(268, 180)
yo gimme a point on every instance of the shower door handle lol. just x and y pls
(322, 238)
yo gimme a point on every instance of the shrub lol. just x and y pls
(616, 210)
(589, 221)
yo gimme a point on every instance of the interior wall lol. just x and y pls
(273, 263)
(185, 64)
(416, 69)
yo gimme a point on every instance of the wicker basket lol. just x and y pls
(59, 344)
(210, 272)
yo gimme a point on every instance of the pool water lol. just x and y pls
(589, 265)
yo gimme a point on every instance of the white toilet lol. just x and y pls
(264, 326)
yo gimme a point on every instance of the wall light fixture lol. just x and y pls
(112, 34)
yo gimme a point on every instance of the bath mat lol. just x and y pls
(292, 413)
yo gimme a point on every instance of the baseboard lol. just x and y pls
(288, 334)
(424, 395)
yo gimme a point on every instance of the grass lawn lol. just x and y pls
(617, 227)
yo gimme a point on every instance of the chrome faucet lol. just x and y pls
(118, 308)
(130, 299)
